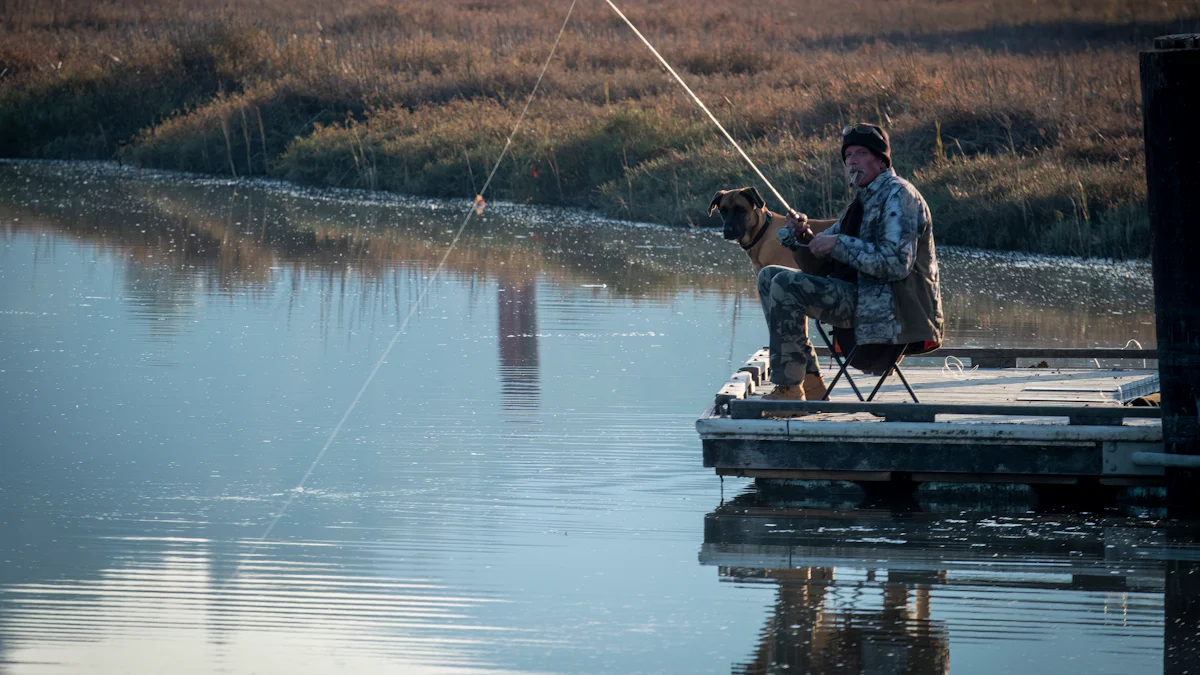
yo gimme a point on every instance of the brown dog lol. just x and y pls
(755, 228)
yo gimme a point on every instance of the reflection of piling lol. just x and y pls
(1181, 605)
(1171, 105)
(519, 366)
(1181, 617)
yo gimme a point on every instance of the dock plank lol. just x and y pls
(937, 385)
(926, 412)
(1007, 357)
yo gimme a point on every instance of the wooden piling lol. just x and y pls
(1170, 76)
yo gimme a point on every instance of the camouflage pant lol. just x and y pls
(788, 298)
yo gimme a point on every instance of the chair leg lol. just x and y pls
(842, 370)
(849, 380)
(895, 368)
(903, 379)
(880, 383)
(842, 365)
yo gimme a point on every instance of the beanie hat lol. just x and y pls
(871, 137)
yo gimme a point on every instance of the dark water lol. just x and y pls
(519, 489)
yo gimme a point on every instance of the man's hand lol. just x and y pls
(798, 223)
(822, 244)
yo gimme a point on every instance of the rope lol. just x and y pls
(476, 208)
(952, 366)
(702, 107)
(1132, 341)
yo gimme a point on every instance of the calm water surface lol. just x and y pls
(519, 489)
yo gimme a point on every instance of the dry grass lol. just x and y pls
(1020, 121)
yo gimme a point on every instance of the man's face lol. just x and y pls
(862, 165)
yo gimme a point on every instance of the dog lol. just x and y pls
(755, 228)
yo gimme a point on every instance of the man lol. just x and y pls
(883, 280)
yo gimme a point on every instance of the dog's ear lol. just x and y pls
(716, 202)
(751, 194)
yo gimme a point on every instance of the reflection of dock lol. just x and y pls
(1051, 552)
(1066, 425)
(876, 591)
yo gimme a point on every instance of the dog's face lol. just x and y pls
(738, 209)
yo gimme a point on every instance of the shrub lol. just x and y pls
(1019, 120)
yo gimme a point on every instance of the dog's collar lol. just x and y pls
(762, 231)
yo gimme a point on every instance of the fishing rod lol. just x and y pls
(476, 208)
(703, 107)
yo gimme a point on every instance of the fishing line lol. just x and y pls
(476, 208)
(702, 107)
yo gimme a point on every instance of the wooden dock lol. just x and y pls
(1036, 425)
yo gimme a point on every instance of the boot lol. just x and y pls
(814, 387)
(786, 392)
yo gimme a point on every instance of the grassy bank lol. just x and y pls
(1020, 121)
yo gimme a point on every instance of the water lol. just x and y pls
(519, 489)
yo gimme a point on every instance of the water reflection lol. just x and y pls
(239, 607)
(177, 351)
(196, 237)
(869, 590)
(805, 635)
(516, 305)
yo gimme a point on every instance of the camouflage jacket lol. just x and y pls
(899, 298)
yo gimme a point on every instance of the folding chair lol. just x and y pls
(836, 351)
(890, 358)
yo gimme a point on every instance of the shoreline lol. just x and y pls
(562, 215)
